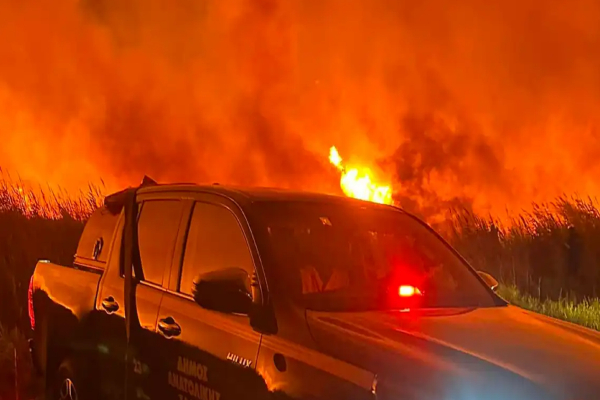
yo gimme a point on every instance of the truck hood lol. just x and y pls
(465, 354)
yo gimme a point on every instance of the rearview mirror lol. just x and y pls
(489, 280)
(224, 290)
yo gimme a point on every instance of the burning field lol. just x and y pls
(479, 105)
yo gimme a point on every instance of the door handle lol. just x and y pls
(169, 327)
(110, 305)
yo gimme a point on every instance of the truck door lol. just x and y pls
(209, 355)
(158, 229)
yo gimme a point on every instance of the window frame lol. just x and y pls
(219, 201)
(164, 196)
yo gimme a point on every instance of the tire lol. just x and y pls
(67, 384)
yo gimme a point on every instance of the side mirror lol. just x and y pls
(489, 280)
(224, 290)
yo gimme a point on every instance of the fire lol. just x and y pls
(24, 200)
(359, 184)
(252, 93)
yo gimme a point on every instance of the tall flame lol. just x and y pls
(359, 185)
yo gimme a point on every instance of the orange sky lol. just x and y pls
(492, 104)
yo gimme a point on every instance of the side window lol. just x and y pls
(215, 241)
(97, 235)
(158, 225)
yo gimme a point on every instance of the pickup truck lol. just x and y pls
(180, 291)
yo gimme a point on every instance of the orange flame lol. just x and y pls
(24, 201)
(359, 184)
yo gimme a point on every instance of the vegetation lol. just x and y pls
(585, 312)
(546, 260)
(552, 252)
(34, 224)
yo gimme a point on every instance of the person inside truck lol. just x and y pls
(316, 273)
(336, 258)
(330, 259)
(306, 273)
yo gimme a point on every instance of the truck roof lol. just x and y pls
(242, 194)
(100, 227)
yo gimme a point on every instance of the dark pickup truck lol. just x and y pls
(215, 293)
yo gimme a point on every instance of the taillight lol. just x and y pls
(30, 304)
(408, 291)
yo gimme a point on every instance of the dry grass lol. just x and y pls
(532, 253)
(35, 224)
(47, 203)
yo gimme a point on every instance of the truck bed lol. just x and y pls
(70, 286)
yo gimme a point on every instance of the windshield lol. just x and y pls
(356, 257)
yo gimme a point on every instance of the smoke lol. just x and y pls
(486, 104)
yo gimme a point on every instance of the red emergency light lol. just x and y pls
(408, 291)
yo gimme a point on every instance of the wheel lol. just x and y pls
(66, 384)
(68, 390)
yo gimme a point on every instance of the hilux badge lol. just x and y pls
(239, 360)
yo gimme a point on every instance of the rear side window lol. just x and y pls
(215, 241)
(158, 226)
(97, 235)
